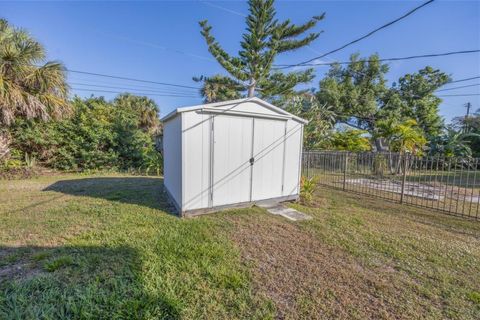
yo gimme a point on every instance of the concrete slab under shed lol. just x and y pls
(286, 212)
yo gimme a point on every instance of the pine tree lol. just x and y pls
(264, 39)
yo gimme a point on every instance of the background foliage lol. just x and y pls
(99, 135)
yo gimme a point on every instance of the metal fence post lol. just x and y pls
(404, 178)
(308, 164)
(345, 171)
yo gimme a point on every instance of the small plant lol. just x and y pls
(30, 160)
(11, 164)
(58, 263)
(307, 189)
(153, 163)
(474, 296)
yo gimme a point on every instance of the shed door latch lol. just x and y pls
(251, 161)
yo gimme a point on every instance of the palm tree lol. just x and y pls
(219, 88)
(453, 144)
(402, 137)
(28, 88)
(146, 109)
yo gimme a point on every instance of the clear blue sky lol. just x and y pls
(160, 40)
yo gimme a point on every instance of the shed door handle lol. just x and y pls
(251, 161)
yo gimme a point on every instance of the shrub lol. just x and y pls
(307, 189)
(30, 160)
(100, 135)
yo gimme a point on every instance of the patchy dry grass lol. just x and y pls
(107, 247)
(364, 258)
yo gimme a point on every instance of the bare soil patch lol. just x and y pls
(307, 279)
(26, 173)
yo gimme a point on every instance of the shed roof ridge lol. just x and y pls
(230, 102)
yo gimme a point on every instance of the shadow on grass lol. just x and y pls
(77, 282)
(143, 191)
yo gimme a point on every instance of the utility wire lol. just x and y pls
(459, 95)
(132, 79)
(153, 45)
(139, 93)
(154, 90)
(134, 86)
(208, 3)
(367, 35)
(431, 55)
(455, 88)
(461, 80)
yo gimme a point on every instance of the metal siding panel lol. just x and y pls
(172, 136)
(268, 153)
(182, 117)
(293, 157)
(231, 154)
(196, 160)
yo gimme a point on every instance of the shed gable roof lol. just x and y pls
(229, 107)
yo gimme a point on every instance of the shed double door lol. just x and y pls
(247, 159)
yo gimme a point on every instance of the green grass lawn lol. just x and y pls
(94, 247)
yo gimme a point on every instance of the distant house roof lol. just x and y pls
(210, 106)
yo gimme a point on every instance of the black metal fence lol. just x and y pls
(450, 185)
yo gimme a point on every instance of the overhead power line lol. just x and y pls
(367, 35)
(153, 45)
(461, 80)
(431, 55)
(455, 88)
(208, 3)
(139, 93)
(132, 79)
(459, 95)
(151, 89)
(135, 86)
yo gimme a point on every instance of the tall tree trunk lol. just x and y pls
(378, 145)
(251, 88)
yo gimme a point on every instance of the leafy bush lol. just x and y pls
(13, 162)
(153, 163)
(100, 135)
(307, 189)
(350, 140)
(321, 119)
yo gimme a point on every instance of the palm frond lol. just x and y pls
(26, 89)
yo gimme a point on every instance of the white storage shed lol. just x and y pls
(231, 154)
